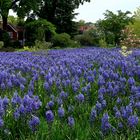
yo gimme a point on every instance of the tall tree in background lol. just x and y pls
(136, 23)
(137, 13)
(113, 24)
(22, 7)
(60, 13)
(5, 5)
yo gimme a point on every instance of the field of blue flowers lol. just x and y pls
(81, 94)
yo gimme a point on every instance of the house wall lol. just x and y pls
(12, 33)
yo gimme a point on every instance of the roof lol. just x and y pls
(13, 27)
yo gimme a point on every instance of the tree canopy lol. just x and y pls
(39, 29)
(136, 23)
(113, 24)
(21, 7)
(60, 13)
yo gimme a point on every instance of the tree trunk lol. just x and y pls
(52, 12)
(4, 20)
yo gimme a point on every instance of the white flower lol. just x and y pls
(124, 51)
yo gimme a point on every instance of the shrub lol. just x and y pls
(6, 39)
(74, 44)
(16, 44)
(89, 38)
(1, 44)
(111, 45)
(63, 40)
(40, 29)
(129, 39)
(84, 40)
(38, 46)
(102, 43)
(42, 45)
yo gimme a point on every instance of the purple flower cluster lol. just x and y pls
(71, 84)
(25, 106)
(3, 107)
(105, 125)
(34, 122)
(49, 116)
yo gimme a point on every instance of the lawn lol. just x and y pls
(72, 94)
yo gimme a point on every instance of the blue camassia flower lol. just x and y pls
(34, 122)
(61, 112)
(105, 125)
(49, 116)
(71, 121)
(133, 121)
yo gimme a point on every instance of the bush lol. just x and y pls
(88, 38)
(63, 40)
(75, 44)
(111, 46)
(85, 40)
(102, 43)
(6, 39)
(129, 39)
(1, 44)
(42, 45)
(7, 49)
(40, 29)
(38, 46)
(16, 44)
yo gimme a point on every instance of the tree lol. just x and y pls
(39, 29)
(137, 14)
(21, 7)
(60, 13)
(5, 5)
(130, 39)
(81, 22)
(136, 23)
(113, 24)
(13, 20)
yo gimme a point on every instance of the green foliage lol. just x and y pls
(129, 38)
(6, 39)
(16, 20)
(1, 44)
(85, 40)
(23, 8)
(89, 38)
(102, 43)
(63, 40)
(137, 14)
(60, 13)
(81, 23)
(4, 7)
(37, 30)
(111, 45)
(15, 44)
(42, 45)
(135, 26)
(12, 20)
(113, 24)
(39, 46)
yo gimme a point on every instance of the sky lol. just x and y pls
(93, 11)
